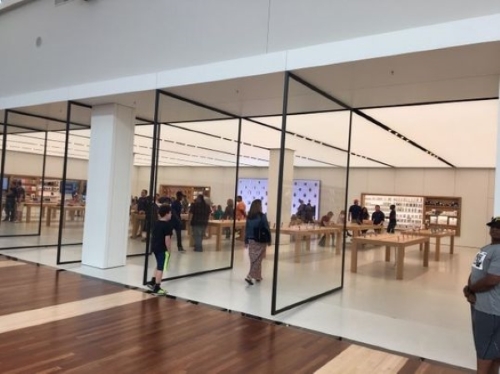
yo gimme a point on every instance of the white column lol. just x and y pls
(108, 189)
(272, 198)
(496, 203)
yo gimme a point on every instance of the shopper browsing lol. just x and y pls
(392, 219)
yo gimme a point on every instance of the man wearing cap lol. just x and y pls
(483, 293)
(177, 210)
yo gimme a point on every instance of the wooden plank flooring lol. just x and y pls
(74, 324)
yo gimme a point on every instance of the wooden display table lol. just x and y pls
(355, 228)
(400, 242)
(37, 205)
(71, 209)
(437, 235)
(299, 233)
(137, 220)
(218, 226)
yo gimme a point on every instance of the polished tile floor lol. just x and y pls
(423, 315)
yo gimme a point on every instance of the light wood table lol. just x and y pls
(137, 220)
(400, 242)
(300, 233)
(355, 228)
(436, 235)
(218, 226)
(37, 205)
(71, 209)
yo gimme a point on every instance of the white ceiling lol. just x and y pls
(463, 134)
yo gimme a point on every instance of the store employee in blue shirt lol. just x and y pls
(378, 217)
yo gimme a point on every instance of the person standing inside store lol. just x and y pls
(160, 245)
(378, 217)
(483, 293)
(176, 214)
(228, 214)
(241, 209)
(256, 250)
(392, 219)
(199, 213)
(354, 212)
(324, 222)
(21, 197)
(142, 209)
(10, 203)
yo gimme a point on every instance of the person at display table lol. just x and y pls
(324, 222)
(378, 218)
(218, 213)
(10, 203)
(143, 208)
(483, 293)
(354, 213)
(228, 214)
(241, 212)
(241, 208)
(392, 219)
(295, 221)
(364, 216)
(21, 198)
(199, 213)
(341, 218)
(309, 211)
(176, 216)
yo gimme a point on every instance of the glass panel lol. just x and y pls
(21, 203)
(310, 253)
(73, 190)
(74, 193)
(196, 161)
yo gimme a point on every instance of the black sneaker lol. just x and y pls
(181, 249)
(151, 284)
(157, 290)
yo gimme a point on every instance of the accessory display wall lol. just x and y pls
(303, 189)
(440, 212)
(190, 191)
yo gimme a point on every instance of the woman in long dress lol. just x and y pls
(256, 250)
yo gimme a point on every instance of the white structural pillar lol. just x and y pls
(272, 198)
(496, 201)
(105, 232)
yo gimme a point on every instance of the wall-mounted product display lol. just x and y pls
(443, 212)
(29, 183)
(190, 191)
(419, 211)
(51, 187)
(409, 209)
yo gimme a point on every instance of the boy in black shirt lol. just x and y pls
(162, 235)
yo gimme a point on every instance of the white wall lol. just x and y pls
(474, 186)
(98, 41)
(29, 164)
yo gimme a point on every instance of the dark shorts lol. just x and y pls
(486, 330)
(160, 260)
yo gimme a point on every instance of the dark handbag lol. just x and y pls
(261, 233)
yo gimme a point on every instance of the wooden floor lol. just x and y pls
(56, 321)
